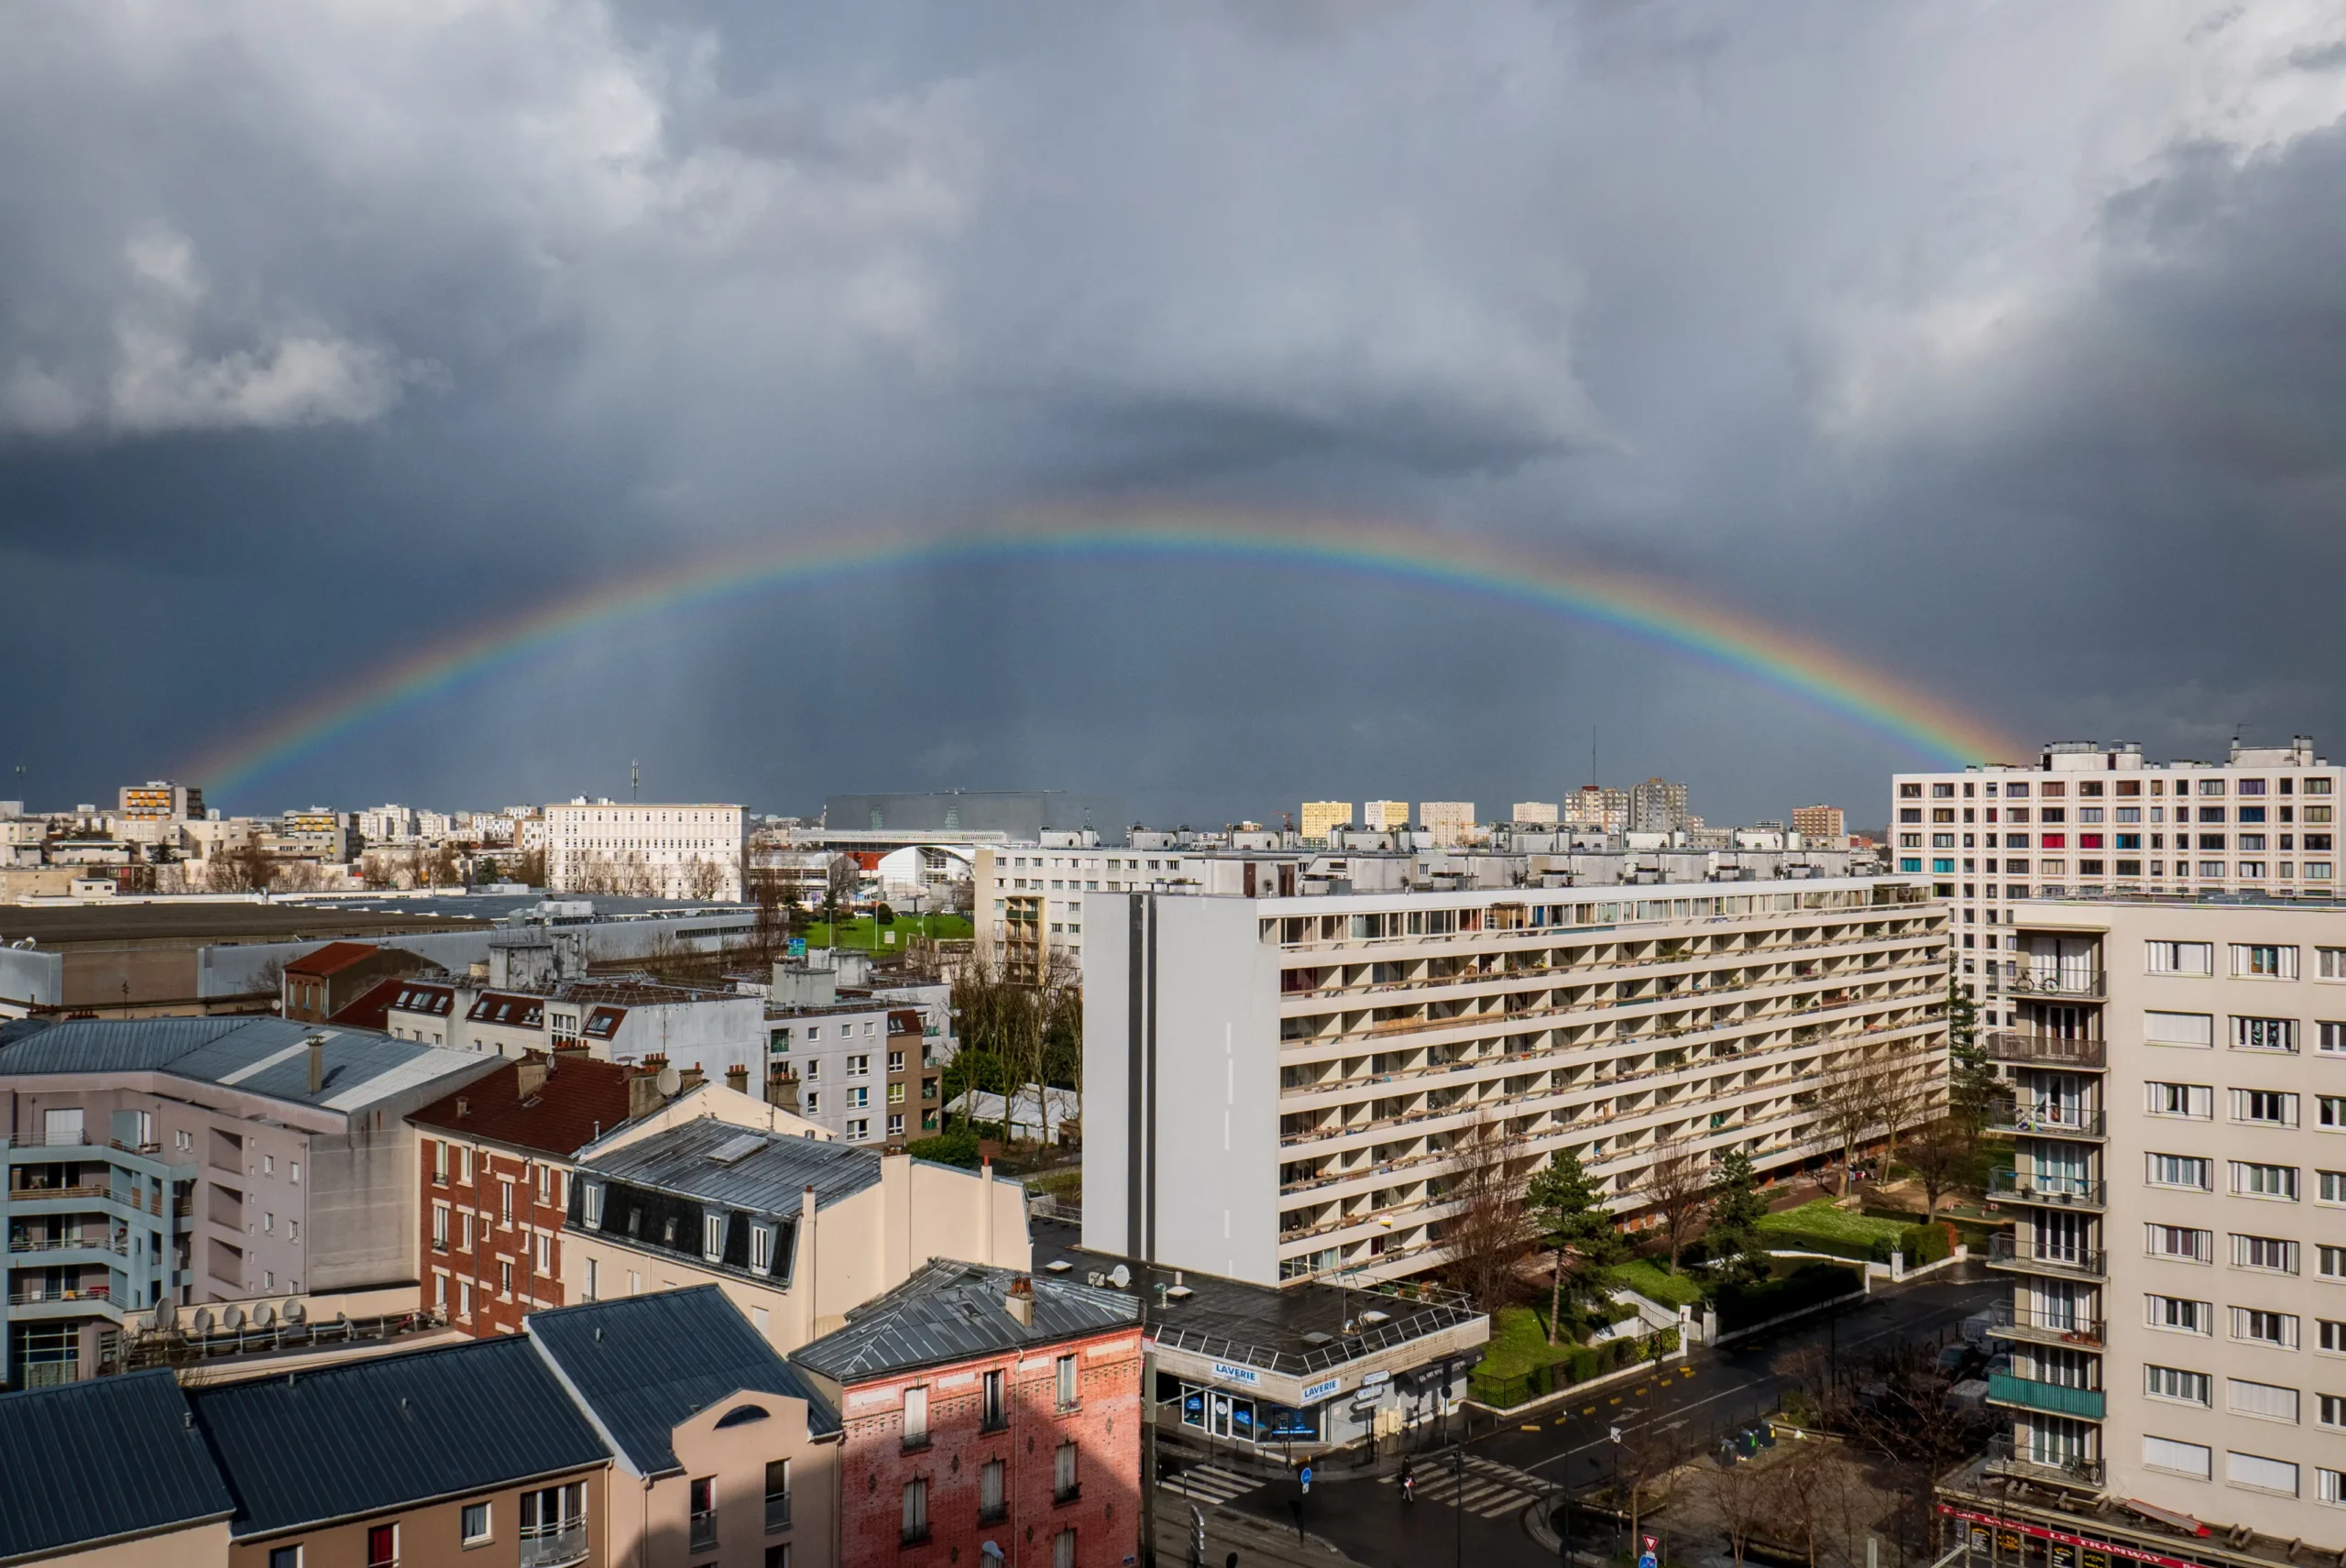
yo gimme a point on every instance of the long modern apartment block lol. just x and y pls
(1278, 1088)
(2177, 1320)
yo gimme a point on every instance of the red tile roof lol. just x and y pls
(332, 959)
(580, 1099)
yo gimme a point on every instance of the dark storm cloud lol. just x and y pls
(1999, 348)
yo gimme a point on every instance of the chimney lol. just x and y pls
(1019, 1299)
(693, 1079)
(530, 1075)
(463, 1107)
(642, 1094)
(317, 1062)
(737, 1078)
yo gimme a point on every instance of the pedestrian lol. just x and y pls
(1408, 1484)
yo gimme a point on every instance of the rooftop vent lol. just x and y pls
(734, 1150)
(1057, 1266)
(1179, 1293)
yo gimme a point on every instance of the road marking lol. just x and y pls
(1588, 1410)
(1210, 1482)
(1532, 1427)
(1645, 1391)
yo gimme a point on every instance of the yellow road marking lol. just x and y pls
(1614, 1400)
(1588, 1411)
(1533, 1426)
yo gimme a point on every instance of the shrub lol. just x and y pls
(1927, 1243)
(1742, 1306)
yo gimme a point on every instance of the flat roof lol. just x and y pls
(196, 925)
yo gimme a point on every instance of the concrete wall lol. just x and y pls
(433, 1532)
(655, 1527)
(197, 1546)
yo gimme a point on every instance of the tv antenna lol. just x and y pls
(634, 778)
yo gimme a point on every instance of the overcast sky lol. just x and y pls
(2002, 345)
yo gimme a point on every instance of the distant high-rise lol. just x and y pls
(1595, 808)
(161, 800)
(1657, 805)
(1321, 817)
(1819, 821)
(1382, 816)
(1535, 812)
(1450, 822)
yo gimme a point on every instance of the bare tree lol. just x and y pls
(1846, 1103)
(702, 879)
(1486, 1234)
(1944, 1159)
(1678, 1188)
(529, 868)
(242, 867)
(1739, 1492)
(1899, 1089)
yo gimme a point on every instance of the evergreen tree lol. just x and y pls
(1736, 1209)
(1971, 1079)
(1569, 1210)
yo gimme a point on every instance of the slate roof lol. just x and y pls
(951, 1311)
(260, 1055)
(390, 1432)
(646, 1363)
(770, 1179)
(581, 1100)
(90, 1462)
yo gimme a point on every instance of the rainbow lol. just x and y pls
(1652, 611)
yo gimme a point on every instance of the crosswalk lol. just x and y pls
(1489, 1489)
(1210, 1484)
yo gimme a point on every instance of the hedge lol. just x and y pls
(1927, 1243)
(1743, 1306)
(1585, 1362)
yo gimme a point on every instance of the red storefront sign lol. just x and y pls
(2090, 1552)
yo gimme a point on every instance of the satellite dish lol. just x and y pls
(166, 1316)
(668, 1082)
(264, 1315)
(232, 1318)
(203, 1320)
(293, 1313)
(1120, 1276)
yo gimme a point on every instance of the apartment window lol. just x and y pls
(916, 1511)
(2193, 1100)
(2255, 1325)
(2332, 1336)
(2181, 1458)
(2265, 1401)
(439, 1161)
(2174, 1382)
(475, 1524)
(505, 1279)
(859, 1067)
(2179, 1314)
(2332, 1038)
(858, 1129)
(2252, 959)
(2332, 1486)
(465, 1299)
(285, 1557)
(2332, 1413)
(990, 1506)
(2265, 1034)
(2270, 1107)
(2330, 1186)
(464, 1231)
(2331, 962)
(594, 1285)
(505, 1204)
(2259, 1473)
(1067, 1388)
(895, 1094)
(439, 1227)
(777, 1496)
(895, 1127)
(703, 1512)
(2329, 1111)
(814, 1104)
(993, 1415)
(2180, 1170)
(2194, 1029)
(465, 1164)
(592, 1203)
(382, 1545)
(858, 1098)
(762, 1249)
(2180, 1241)
(2331, 1261)
(2252, 1181)
(917, 1418)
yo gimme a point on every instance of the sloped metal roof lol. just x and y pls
(90, 1462)
(951, 1311)
(769, 1181)
(390, 1432)
(647, 1364)
(262, 1055)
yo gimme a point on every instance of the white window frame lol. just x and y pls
(2172, 1384)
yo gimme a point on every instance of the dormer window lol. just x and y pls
(712, 1237)
(592, 1205)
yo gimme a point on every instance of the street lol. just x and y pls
(1506, 1471)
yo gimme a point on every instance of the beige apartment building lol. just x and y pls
(1319, 817)
(663, 850)
(1384, 816)
(1447, 824)
(2084, 820)
(2178, 1321)
(1276, 1088)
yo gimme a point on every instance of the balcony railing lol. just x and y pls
(38, 1297)
(2042, 1123)
(89, 1244)
(704, 1531)
(2023, 982)
(2055, 1398)
(2056, 1191)
(554, 1545)
(2045, 1050)
(2002, 1461)
(777, 1511)
(2004, 1252)
(2044, 1325)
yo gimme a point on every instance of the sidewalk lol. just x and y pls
(1257, 1541)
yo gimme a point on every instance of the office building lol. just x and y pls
(2088, 821)
(2177, 1320)
(1820, 823)
(649, 850)
(1447, 824)
(986, 1405)
(1276, 1087)
(182, 1161)
(1320, 818)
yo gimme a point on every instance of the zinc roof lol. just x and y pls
(769, 1179)
(94, 1461)
(951, 1311)
(267, 1056)
(646, 1363)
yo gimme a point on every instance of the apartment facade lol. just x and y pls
(2086, 820)
(1447, 824)
(667, 851)
(2179, 1317)
(160, 800)
(1820, 823)
(858, 1067)
(1277, 1087)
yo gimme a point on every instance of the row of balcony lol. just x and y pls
(2045, 1122)
(2052, 1190)
(2054, 1399)
(2078, 985)
(2045, 1050)
(2044, 1325)
(2072, 1472)
(1551, 936)
(2042, 1256)
(1591, 974)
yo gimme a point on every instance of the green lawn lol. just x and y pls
(862, 934)
(1645, 1276)
(1519, 1345)
(1820, 1218)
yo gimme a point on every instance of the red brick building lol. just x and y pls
(985, 1406)
(496, 1160)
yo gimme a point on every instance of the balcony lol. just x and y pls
(1071, 1493)
(703, 1530)
(777, 1511)
(2087, 1474)
(2039, 1325)
(2078, 1263)
(2033, 1122)
(2054, 1399)
(554, 1545)
(2088, 985)
(2045, 1050)
(2053, 1191)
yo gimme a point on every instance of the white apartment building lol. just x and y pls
(2178, 1315)
(386, 825)
(2090, 821)
(1384, 816)
(1276, 1087)
(1448, 822)
(1595, 806)
(656, 850)
(1536, 813)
